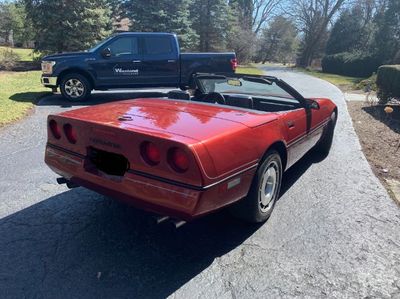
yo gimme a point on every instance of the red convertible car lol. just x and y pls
(186, 155)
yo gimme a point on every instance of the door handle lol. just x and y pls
(290, 124)
(171, 60)
(137, 61)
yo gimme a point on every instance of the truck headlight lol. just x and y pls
(47, 67)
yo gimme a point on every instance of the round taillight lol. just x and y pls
(55, 130)
(70, 133)
(178, 160)
(150, 153)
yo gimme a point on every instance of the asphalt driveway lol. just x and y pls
(334, 232)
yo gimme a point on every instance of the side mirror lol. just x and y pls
(106, 53)
(311, 104)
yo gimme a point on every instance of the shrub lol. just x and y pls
(350, 64)
(388, 82)
(368, 84)
(8, 59)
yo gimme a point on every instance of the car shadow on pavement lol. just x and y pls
(81, 244)
(48, 99)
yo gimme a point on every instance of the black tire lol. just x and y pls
(75, 87)
(324, 145)
(254, 208)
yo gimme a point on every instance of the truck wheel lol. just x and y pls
(324, 145)
(257, 206)
(75, 87)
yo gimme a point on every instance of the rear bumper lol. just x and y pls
(174, 200)
(49, 81)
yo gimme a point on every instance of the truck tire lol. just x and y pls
(324, 145)
(75, 87)
(258, 205)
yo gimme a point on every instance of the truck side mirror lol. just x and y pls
(106, 53)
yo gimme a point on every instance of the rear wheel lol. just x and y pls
(75, 87)
(257, 206)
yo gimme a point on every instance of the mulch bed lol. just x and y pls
(379, 134)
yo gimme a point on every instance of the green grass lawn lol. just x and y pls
(248, 70)
(18, 92)
(24, 54)
(344, 82)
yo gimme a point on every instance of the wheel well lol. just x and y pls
(280, 147)
(76, 71)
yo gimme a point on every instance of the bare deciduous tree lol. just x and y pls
(313, 17)
(263, 10)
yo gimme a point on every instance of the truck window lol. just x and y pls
(158, 45)
(124, 46)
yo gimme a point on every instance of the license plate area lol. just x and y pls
(112, 164)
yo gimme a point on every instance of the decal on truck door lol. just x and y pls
(120, 71)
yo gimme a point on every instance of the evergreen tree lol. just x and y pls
(163, 16)
(63, 25)
(240, 36)
(345, 33)
(211, 23)
(15, 29)
(387, 40)
(352, 32)
(278, 41)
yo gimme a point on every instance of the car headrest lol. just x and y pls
(179, 95)
(240, 101)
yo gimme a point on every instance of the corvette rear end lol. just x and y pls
(163, 156)
(227, 144)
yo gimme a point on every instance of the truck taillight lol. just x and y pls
(70, 133)
(150, 153)
(178, 160)
(234, 63)
(55, 130)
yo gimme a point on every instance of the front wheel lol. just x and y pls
(325, 143)
(257, 206)
(75, 87)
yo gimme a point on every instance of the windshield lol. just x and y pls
(99, 45)
(254, 86)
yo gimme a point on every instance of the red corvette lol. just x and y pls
(185, 156)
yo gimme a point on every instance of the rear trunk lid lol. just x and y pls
(177, 119)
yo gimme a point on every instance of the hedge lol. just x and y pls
(350, 64)
(388, 82)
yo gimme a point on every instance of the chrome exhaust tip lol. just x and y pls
(70, 185)
(178, 223)
(62, 181)
(161, 219)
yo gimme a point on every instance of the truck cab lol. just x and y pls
(130, 60)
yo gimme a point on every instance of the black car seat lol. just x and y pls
(179, 95)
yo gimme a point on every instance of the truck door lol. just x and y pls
(160, 60)
(121, 67)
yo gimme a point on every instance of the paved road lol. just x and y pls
(334, 232)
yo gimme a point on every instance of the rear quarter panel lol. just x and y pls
(236, 150)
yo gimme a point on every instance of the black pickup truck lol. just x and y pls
(130, 60)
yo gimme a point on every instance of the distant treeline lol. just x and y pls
(284, 31)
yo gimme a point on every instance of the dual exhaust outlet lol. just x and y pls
(166, 219)
(70, 185)
(158, 219)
